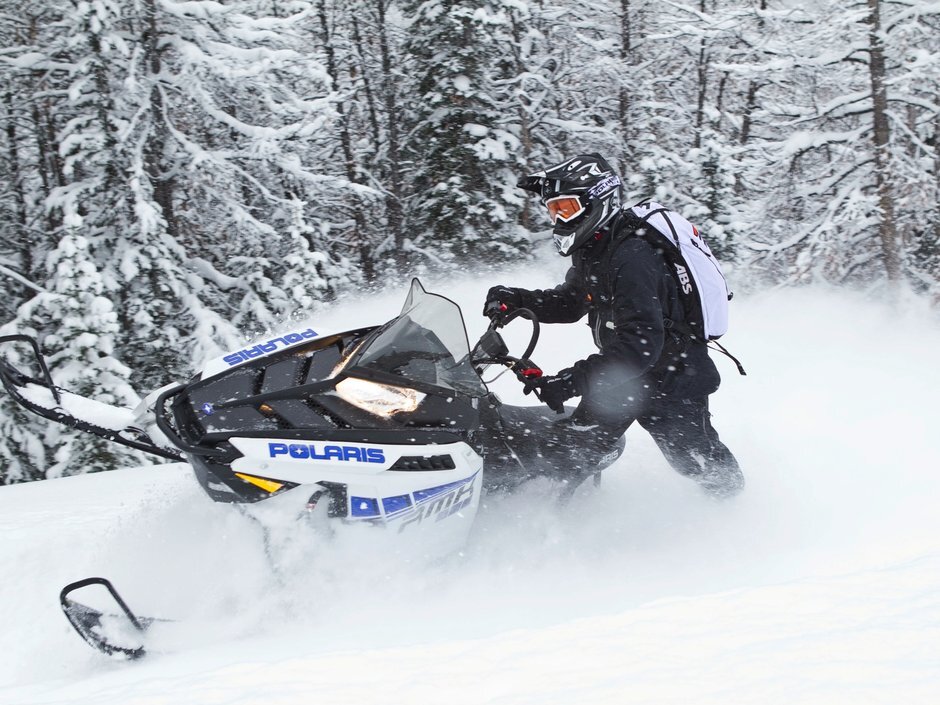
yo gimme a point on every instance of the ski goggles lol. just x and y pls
(564, 208)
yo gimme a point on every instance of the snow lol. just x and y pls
(104, 415)
(820, 584)
(20, 279)
(462, 83)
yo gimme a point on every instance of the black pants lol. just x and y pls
(680, 427)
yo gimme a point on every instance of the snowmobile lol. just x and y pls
(390, 426)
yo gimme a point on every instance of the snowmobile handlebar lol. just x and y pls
(498, 322)
(494, 351)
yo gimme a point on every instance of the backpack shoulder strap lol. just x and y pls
(633, 225)
(656, 211)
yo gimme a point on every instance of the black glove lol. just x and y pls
(501, 300)
(555, 390)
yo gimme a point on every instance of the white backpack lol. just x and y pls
(698, 272)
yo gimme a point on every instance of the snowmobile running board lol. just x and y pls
(90, 622)
(43, 398)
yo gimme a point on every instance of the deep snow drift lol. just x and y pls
(821, 583)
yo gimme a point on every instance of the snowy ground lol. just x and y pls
(821, 584)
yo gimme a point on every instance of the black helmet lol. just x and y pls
(582, 195)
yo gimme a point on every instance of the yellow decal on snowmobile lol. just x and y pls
(267, 485)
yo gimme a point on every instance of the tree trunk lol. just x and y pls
(752, 88)
(525, 130)
(393, 200)
(15, 176)
(365, 72)
(163, 185)
(702, 74)
(359, 238)
(104, 109)
(750, 105)
(623, 101)
(50, 165)
(936, 174)
(881, 137)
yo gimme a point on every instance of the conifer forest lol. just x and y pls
(179, 176)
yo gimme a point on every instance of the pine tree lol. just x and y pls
(182, 135)
(462, 204)
(83, 359)
(77, 325)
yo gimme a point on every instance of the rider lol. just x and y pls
(646, 370)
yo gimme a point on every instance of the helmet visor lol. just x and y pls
(564, 208)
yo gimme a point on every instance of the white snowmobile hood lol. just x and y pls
(264, 347)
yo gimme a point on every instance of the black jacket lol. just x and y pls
(624, 285)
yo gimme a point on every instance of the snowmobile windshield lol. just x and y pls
(426, 343)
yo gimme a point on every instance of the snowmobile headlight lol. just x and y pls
(379, 399)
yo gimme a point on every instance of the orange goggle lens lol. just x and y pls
(564, 208)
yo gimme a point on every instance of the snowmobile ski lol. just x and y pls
(115, 632)
(42, 397)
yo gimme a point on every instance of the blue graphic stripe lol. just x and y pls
(396, 504)
(364, 506)
(368, 507)
(423, 495)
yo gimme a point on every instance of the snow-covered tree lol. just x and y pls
(82, 360)
(854, 161)
(76, 325)
(190, 145)
(28, 161)
(463, 203)
(184, 136)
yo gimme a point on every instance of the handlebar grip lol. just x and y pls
(495, 310)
